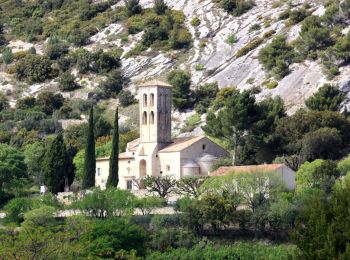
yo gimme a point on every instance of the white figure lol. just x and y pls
(42, 189)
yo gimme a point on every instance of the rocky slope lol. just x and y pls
(217, 58)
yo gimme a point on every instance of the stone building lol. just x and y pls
(155, 153)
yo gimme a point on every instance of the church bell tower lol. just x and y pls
(155, 112)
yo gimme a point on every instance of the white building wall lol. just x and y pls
(102, 172)
(170, 164)
(126, 172)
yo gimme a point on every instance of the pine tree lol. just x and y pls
(57, 166)
(113, 177)
(90, 158)
(159, 7)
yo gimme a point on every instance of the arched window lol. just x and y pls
(152, 100)
(160, 101)
(145, 100)
(144, 118)
(151, 120)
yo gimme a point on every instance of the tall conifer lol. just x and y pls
(90, 158)
(113, 177)
(57, 166)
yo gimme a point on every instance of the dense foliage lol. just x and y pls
(113, 177)
(58, 169)
(90, 158)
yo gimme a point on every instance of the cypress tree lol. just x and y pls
(113, 177)
(57, 166)
(90, 158)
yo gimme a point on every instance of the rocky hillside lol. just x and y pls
(217, 38)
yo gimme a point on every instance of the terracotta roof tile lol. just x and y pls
(179, 144)
(246, 168)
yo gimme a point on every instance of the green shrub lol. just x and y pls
(195, 21)
(181, 82)
(132, 7)
(147, 204)
(239, 250)
(231, 39)
(180, 38)
(255, 27)
(204, 95)
(268, 34)
(284, 15)
(277, 56)
(34, 68)
(47, 102)
(199, 67)
(113, 84)
(67, 82)
(328, 97)
(92, 10)
(236, 7)
(4, 104)
(296, 16)
(313, 36)
(79, 37)
(113, 238)
(106, 203)
(271, 84)
(16, 208)
(249, 47)
(135, 24)
(56, 48)
(159, 7)
(126, 98)
(191, 123)
(7, 55)
(202, 44)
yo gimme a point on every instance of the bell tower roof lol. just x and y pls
(155, 83)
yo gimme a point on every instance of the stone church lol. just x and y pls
(155, 153)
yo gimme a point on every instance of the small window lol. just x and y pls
(145, 100)
(98, 171)
(151, 120)
(128, 170)
(129, 185)
(204, 147)
(144, 118)
(152, 100)
(168, 168)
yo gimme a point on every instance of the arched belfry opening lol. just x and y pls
(144, 118)
(145, 100)
(151, 119)
(152, 100)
